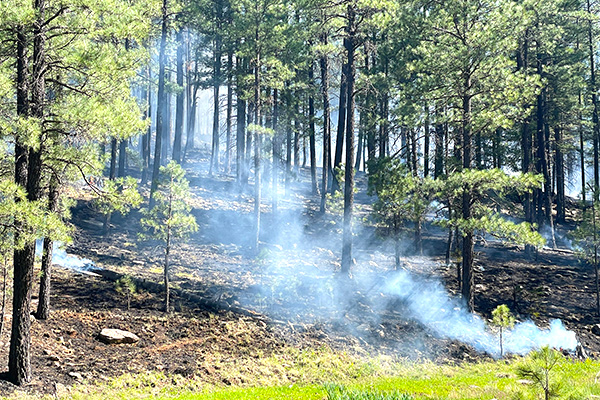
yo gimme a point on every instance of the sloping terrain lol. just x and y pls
(232, 305)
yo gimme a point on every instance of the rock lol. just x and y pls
(60, 390)
(596, 329)
(116, 336)
(75, 375)
(525, 382)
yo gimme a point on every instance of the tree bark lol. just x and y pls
(214, 157)
(240, 129)
(160, 109)
(229, 117)
(43, 309)
(257, 143)
(180, 99)
(467, 250)
(339, 141)
(113, 159)
(385, 110)
(349, 44)
(166, 131)
(249, 134)
(191, 118)
(168, 250)
(427, 144)
(438, 162)
(288, 152)
(19, 357)
(19, 362)
(595, 119)
(311, 134)
(276, 151)
(297, 140)
(122, 158)
(147, 94)
(326, 125)
(560, 176)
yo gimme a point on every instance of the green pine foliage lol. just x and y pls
(503, 319)
(540, 367)
(402, 198)
(170, 218)
(23, 221)
(118, 195)
(487, 188)
(126, 287)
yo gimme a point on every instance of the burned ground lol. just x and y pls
(231, 304)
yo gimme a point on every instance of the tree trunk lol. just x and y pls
(229, 117)
(326, 125)
(147, 94)
(113, 159)
(288, 154)
(427, 145)
(297, 140)
(122, 158)
(43, 309)
(160, 108)
(257, 144)
(361, 136)
(166, 131)
(168, 251)
(595, 119)
(19, 362)
(240, 130)
(370, 124)
(304, 158)
(339, 141)
(19, 357)
(467, 250)
(560, 176)
(385, 110)
(438, 162)
(311, 134)
(179, 99)
(414, 151)
(349, 44)
(478, 151)
(214, 155)
(249, 134)
(191, 118)
(276, 151)
(545, 197)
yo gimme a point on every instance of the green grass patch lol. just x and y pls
(322, 374)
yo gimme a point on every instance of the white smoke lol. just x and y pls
(430, 304)
(62, 258)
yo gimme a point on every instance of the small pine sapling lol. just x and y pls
(402, 200)
(169, 219)
(126, 287)
(503, 319)
(538, 367)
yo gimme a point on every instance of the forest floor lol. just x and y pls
(233, 307)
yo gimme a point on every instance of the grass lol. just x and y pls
(322, 374)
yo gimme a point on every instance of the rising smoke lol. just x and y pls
(62, 258)
(295, 279)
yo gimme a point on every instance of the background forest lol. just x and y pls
(469, 121)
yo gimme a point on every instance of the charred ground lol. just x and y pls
(231, 305)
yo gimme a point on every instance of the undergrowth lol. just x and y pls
(322, 374)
